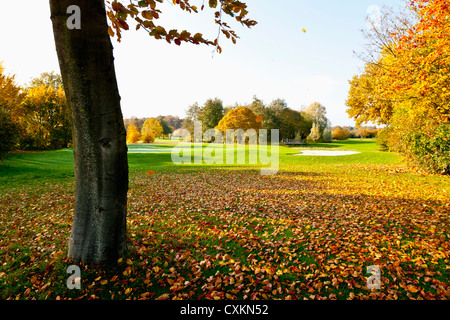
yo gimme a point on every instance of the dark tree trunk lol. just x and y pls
(99, 137)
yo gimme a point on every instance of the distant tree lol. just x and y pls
(46, 118)
(174, 122)
(305, 126)
(257, 106)
(151, 129)
(166, 128)
(317, 114)
(133, 134)
(211, 113)
(290, 123)
(340, 133)
(11, 97)
(270, 115)
(278, 106)
(315, 134)
(239, 118)
(365, 133)
(188, 124)
(48, 79)
(193, 112)
(134, 121)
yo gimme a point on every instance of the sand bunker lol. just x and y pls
(325, 153)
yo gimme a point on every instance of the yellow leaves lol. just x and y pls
(110, 31)
(133, 134)
(127, 271)
(128, 291)
(239, 118)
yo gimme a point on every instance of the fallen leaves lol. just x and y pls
(234, 234)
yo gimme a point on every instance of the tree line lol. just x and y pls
(35, 116)
(309, 122)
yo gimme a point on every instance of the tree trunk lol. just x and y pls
(99, 137)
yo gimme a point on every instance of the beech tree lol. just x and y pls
(82, 37)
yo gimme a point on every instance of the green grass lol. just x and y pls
(32, 167)
(311, 230)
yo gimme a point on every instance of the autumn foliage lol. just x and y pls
(133, 134)
(146, 12)
(407, 88)
(10, 98)
(151, 129)
(340, 133)
(33, 117)
(239, 118)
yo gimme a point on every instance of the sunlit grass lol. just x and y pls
(228, 232)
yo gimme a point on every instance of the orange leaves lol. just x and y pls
(309, 232)
(145, 11)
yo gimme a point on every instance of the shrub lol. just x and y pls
(431, 149)
(340, 134)
(148, 137)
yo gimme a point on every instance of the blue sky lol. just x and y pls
(274, 59)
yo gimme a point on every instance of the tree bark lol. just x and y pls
(99, 138)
